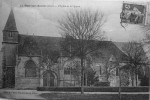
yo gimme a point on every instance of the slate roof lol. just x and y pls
(10, 24)
(35, 45)
(110, 48)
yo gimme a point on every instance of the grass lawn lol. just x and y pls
(72, 96)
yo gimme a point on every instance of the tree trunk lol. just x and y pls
(132, 76)
(136, 79)
(119, 85)
(82, 76)
(85, 79)
(132, 79)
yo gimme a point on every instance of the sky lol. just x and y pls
(43, 21)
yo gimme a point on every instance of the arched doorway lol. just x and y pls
(49, 79)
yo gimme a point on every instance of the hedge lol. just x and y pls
(67, 89)
(94, 89)
(102, 84)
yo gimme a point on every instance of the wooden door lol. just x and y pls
(48, 79)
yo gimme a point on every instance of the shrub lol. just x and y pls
(101, 89)
(68, 89)
(102, 84)
(145, 81)
(134, 89)
(94, 89)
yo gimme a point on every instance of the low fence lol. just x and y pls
(94, 89)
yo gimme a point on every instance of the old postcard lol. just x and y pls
(74, 49)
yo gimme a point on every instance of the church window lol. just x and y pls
(68, 71)
(10, 34)
(30, 69)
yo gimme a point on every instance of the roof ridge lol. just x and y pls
(54, 37)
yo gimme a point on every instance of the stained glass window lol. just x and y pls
(30, 69)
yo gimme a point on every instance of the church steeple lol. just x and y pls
(10, 48)
(10, 33)
(10, 24)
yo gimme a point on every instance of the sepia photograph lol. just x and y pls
(75, 49)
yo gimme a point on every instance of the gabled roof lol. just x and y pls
(110, 49)
(36, 45)
(10, 24)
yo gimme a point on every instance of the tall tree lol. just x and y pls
(49, 58)
(80, 29)
(136, 57)
(91, 77)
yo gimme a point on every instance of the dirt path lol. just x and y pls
(19, 94)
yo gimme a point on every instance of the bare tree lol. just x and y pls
(74, 69)
(49, 58)
(80, 29)
(136, 57)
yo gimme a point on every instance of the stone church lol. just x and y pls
(20, 60)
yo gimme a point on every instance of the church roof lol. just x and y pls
(11, 24)
(109, 48)
(36, 45)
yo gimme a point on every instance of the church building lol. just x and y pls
(20, 60)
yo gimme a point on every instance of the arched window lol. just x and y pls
(30, 69)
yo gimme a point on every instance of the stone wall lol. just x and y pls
(22, 83)
(10, 54)
(1, 60)
(67, 79)
(26, 82)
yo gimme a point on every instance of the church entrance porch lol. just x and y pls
(49, 79)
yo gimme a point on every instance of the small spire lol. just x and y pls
(11, 4)
(11, 23)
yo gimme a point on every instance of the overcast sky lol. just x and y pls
(43, 20)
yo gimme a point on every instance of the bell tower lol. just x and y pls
(10, 43)
(10, 33)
